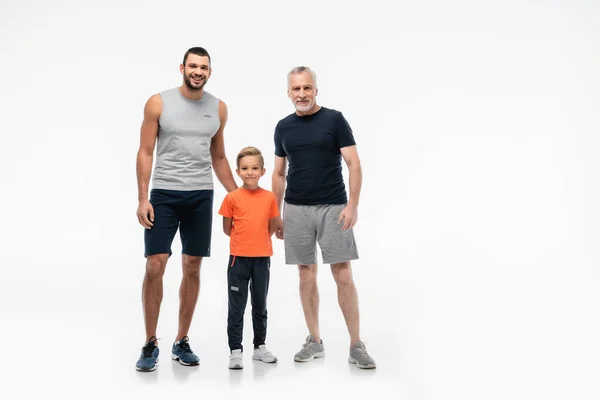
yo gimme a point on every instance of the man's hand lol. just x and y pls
(349, 215)
(279, 228)
(144, 211)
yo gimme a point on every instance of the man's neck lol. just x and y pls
(312, 110)
(191, 94)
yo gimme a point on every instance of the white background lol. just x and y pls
(477, 125)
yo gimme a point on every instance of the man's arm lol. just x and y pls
(278, 180)
(217, 152)
(227, 223)
(148, 134)
(350, 155)
(278, 189)
(350, 213)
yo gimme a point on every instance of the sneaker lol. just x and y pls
(149, 356)
(263, 354)
(235, 359)
(360, 357)
(310, 350)
(183, 353)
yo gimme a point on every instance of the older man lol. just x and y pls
(313, 140)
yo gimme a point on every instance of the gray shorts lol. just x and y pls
(304, 226)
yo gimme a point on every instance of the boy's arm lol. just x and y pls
(272, 226)
(227, 224)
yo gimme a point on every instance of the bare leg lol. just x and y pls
(152, 291)
(188, 293)
(309, 296)
(347, 298)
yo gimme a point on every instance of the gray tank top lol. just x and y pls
(186, 127)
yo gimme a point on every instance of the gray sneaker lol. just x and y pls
(310, 350)
(360, 357)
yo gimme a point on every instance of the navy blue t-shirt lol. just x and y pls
(312, 146)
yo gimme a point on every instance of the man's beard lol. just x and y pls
(188, 83)
(304, 108)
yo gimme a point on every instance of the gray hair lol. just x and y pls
(301, 69)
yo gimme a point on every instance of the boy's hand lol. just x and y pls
(279, 228)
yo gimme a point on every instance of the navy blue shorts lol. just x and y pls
(190, 211)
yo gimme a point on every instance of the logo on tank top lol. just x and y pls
(207, 116)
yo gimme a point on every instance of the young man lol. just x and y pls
(186, 124)
(314, 140)
(249, 219)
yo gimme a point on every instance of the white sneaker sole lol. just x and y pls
(175, 358)
(268, 361)
(320, 354)
(236, 366)
(353, 361)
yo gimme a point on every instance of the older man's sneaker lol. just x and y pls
(235, 359)
(183, 353)
(310, 350)
(263, 354)
(149, 356)
(360, 357)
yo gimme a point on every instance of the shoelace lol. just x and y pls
(148, 349)
(308, 343)
(360, 346)
(185, 346)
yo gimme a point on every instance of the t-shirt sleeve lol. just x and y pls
(343, 132)
(279, 151)
(274, 212)
(226, 209)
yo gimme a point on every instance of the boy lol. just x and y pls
(249, 219)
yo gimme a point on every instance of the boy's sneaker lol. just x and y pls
(360, 357)
(263, 354)
(310, 350)
(183, 353)
(149, 356)
(235, 359)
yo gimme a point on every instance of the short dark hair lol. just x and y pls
(199, 51)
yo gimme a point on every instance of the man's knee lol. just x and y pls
(155, 265)
(191, 265)
(308, 273)
(342, 273)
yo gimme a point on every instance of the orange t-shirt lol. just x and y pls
(251, 211)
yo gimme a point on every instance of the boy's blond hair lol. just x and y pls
(250, 151)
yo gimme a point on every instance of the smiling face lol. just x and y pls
(196, 71)
(302, 90)
(250, 169)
